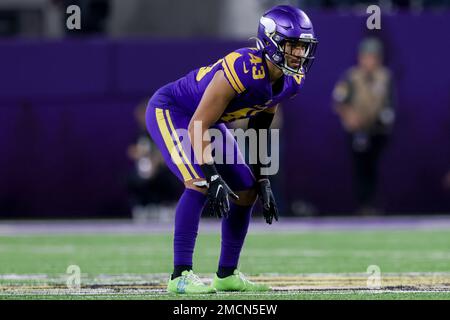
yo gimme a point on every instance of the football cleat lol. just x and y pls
(188, 283)
(237, 282)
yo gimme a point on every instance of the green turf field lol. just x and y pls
(306, 265)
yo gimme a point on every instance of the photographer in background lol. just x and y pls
(364, 101)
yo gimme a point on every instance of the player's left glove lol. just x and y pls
(270, 209)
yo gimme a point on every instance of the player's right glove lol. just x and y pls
(217, 203)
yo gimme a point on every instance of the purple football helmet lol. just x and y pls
(283, 24)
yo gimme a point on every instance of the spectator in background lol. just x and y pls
(151, 185)
(363, 99)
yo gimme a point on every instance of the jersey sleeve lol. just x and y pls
(243, 70)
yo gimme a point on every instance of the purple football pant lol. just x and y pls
(163, 124)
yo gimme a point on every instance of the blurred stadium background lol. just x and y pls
(70, 132)
(67, 100)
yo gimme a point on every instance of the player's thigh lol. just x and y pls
(168, 129)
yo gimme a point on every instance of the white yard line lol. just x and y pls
(30, 227)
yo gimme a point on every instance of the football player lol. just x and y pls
(246, 83)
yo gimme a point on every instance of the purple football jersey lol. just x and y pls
(247, 72)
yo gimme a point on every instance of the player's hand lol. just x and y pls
(218, 203)
(270, 209)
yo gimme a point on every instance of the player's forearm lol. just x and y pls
(200, 141)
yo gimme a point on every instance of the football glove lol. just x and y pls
(270, 209)
(217, 203)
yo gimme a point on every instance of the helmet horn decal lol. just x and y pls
(269, 25)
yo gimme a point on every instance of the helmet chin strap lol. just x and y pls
(287, 72)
